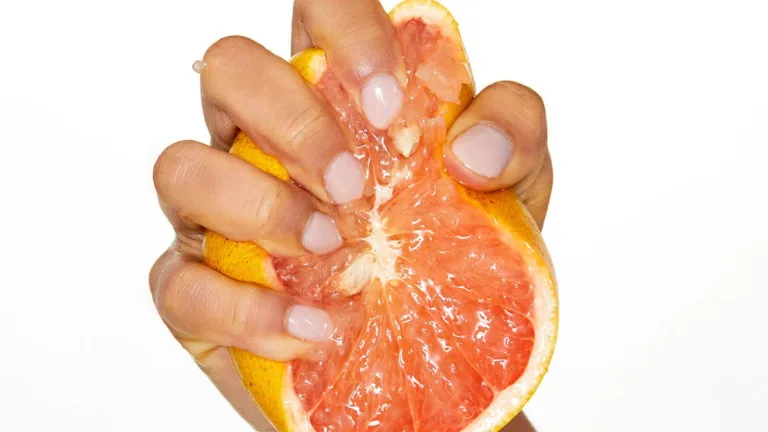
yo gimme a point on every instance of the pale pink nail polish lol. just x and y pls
(307, 323)
(344, 178)
(320, 234)
(382, 99)
(483, 149)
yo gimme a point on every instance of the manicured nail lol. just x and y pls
(307, 323)
(344, 178)
(382, 99)
(483, 149)
(320, 234)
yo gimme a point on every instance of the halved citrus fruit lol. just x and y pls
(444, 299)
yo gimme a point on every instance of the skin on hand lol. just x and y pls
(499, 141)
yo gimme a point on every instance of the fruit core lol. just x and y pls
(433, 305)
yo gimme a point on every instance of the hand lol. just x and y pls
(245, 87)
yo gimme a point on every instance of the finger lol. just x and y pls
(245, 86)
(228, 195)
(201, 304)
(360, 44)
(500, 141)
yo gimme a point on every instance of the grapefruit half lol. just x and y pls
(444, 299)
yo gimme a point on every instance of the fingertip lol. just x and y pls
(168, 162)
(220, 52)
(160, 269)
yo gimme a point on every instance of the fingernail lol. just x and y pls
(307, 323)
(382, 99)
(483, 149)
(320, 234)
(344, 178)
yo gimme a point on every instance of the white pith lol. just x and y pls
(379, 262)
(407, 139)
(385, 251)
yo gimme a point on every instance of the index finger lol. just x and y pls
(360, 44)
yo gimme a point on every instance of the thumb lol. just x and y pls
(500, 141)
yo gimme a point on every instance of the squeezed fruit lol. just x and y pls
(443, 299)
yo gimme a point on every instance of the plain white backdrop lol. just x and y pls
(658, 128)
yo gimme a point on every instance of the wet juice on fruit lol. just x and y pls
(433, 308)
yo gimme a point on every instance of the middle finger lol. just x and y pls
(359, 41)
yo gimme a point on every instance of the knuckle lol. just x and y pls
(521, 92)
(368, 48)
(265, 206)
(254, 313)
(522, 110)
(226, 60)
(156, 273)
(225, 49)
(305, 126)
(366, 34)
(171, 293)
(176, 165)
(362, 37)
(244, 316)
(299, 6)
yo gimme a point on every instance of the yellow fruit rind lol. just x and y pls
(311, 64)
(243, 261)
(246, 149)
(265, 381)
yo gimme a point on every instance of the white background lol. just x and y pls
(658, 223)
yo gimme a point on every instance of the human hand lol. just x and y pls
(499, 141)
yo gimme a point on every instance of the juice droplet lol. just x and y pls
(198, 66)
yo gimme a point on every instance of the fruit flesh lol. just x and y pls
(433, 307)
